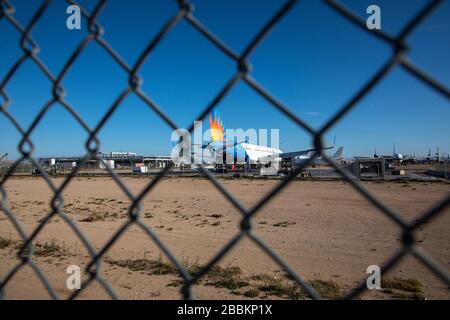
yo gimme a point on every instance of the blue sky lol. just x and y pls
(313, 61)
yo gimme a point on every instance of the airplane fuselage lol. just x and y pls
(245, 153)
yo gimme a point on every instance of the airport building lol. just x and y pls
(112, 160)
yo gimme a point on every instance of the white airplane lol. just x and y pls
(398, 157)
(437, 157)
(248, 153)
(3, 157)
(394, 157)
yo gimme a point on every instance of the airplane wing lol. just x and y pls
(217, 148)
(305, 152)
(298, 153)
(427, 157)
(293, 154)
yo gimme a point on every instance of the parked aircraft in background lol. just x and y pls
(398, 157)
(405, 159)
(395, 157)
(437, 157)
(3, 157)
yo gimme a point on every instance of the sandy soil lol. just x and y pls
(325, 230)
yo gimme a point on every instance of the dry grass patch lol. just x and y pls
(285, 287)
(284, 224)
(95, 216)
(252, 293)
(230, 283)
(175, 283)
(152, 267)
(398, 288)
(278, 287)
(5, 243)
(327, 289)
(46, 249)
(148, 215)
(226, 277)
(411, 285)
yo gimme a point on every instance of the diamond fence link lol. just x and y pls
(185, 12)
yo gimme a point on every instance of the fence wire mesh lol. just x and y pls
(30, 52)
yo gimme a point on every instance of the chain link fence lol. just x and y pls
(30, 52)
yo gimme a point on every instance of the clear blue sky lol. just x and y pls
(313, 61)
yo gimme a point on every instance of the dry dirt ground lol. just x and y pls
(326, 231)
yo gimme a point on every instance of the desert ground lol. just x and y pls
(325, 230)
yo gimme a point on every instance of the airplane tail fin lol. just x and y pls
(328, 147)
(338, 153)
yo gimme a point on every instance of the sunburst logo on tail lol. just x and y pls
(217, 130)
